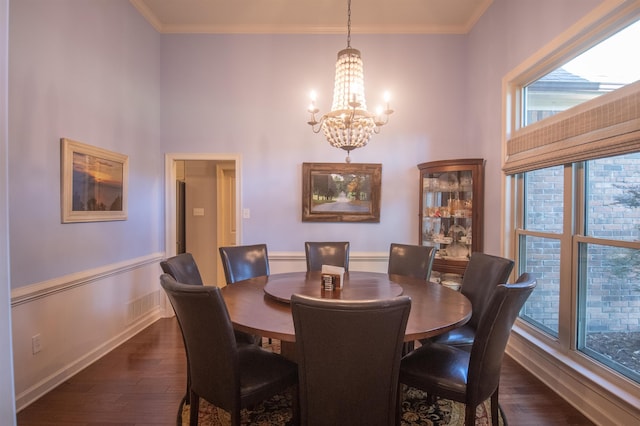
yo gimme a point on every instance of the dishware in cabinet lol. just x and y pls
(451, 211)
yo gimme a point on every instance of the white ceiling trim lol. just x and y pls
(450, 17)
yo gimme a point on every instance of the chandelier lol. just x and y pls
(349, 125)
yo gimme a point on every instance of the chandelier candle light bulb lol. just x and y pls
(348, 125)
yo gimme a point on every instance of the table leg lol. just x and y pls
(288, 350)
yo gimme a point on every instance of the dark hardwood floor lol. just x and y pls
(142, 382)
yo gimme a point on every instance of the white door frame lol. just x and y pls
(170, 193)
(226, 222)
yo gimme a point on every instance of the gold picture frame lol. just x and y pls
(93, 183)
(341, 192)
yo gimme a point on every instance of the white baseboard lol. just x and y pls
(50, 382)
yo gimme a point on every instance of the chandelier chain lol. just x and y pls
(349, 24)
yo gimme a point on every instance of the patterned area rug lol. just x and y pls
(277, 412)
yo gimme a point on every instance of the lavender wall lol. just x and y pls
(248, 94)
(98, 73)
(89, 71)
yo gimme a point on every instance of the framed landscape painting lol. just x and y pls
(93, 183)
(341, 192)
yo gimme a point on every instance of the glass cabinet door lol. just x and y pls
(451, 194)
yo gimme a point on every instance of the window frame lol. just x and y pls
(561, 355)
(566, 308)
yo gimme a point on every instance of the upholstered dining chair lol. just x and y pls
(244, 262)
(334, 253)
(483, 273)
(226, 374)
(470, 377)
(348, 355)
(410, 260)
(184, 269)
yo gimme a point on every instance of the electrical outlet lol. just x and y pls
(36, 344)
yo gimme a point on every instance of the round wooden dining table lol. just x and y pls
(261, 305)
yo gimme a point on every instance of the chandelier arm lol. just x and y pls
(315, 123)
(380, 123)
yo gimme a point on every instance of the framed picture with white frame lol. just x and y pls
(93, 183)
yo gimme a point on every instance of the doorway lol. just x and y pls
(202, 193)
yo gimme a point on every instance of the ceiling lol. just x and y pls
(312, 16)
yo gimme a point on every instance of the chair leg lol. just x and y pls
(188, 392)
(469, 415)
(494, 408)
(399, 404)
(295, 401)
(194, 408)
(235, 416)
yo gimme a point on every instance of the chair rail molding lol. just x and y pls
(78, 318)
(283, 261)
(30, 292)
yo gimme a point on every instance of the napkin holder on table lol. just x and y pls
(332, 277)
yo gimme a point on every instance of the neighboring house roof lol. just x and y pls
(561, 79)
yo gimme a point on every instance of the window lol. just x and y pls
(607, 252)
(609, 264)
(574, 161)
(602, 69)
(539, 244)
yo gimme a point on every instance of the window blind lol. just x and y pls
(602, 127)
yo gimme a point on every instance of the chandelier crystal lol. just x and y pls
(349, 125)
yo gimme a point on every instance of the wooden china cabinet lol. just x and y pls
(452, 211)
